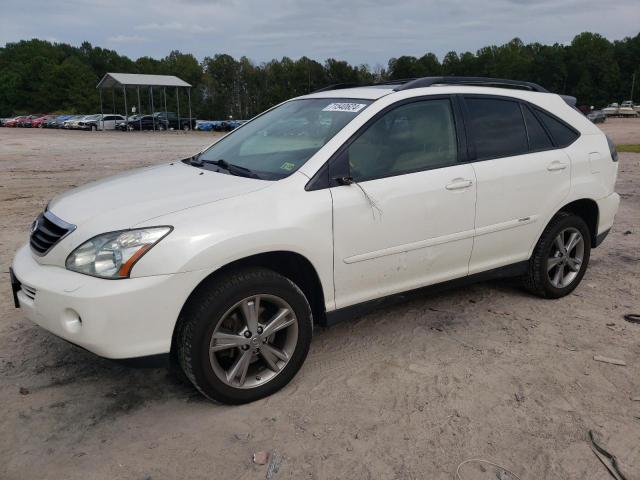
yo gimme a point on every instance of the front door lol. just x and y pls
(407, 220)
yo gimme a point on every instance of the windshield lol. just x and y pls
(276, 144)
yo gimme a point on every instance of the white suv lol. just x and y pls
(325, 202)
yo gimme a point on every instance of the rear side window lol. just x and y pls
(498, 128)
(561, 133)
(538, 138)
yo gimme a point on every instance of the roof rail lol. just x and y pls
(337, 86)
(474, 81)
(340, 86)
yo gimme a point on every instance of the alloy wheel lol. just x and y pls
(565, 258)
(253, 341)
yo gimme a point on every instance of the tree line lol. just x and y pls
(40, 76)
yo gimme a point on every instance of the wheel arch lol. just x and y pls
(292, 265)
(587, 209)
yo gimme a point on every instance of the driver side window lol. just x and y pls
(412, 137)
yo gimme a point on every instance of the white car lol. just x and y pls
(312, 210)
(108, 121)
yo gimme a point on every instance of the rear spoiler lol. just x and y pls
(571, 101)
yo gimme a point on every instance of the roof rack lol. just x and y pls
(473, 81)
(409, 83)
(340, 86)
(337, 86)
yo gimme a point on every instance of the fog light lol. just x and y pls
(71, 321)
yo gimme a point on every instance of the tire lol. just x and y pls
(218, 308)
(543, 278)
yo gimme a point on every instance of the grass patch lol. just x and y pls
(632, 148)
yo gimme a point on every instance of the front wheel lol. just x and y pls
(244, 336)
(560, 258)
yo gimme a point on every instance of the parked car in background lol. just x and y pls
(25, 122)
(206, 125)
(13, 122)
(55, 122)
(85, 122)
(38, 122)
(100, 122)
(225, 126)
(142, 122)
(225, 260)
(3, 121)
(171, 120)
(596, 116)
(109, 121)
(72, 122)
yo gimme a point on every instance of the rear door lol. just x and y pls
(403, 217)
(522, 179)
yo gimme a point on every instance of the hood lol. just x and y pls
(130, 198)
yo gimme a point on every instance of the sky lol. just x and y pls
(359, 31)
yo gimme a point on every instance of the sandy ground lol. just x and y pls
(407, 392)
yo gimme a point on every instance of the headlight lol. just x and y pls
(113, 255)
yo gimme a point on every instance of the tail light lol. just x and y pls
(612, 150)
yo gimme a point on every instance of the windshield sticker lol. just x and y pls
(288, 166)
(344, 107)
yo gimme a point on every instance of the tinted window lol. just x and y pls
(416, 136)
(498, 127)
(562, 134)
(538, 138)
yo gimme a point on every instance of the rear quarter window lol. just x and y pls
(562, 134)
(538, 137)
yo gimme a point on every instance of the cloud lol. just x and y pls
(126, 39)
(174, 27)
(359, 31)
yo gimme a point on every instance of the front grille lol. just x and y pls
(28, 291)
(46, 231)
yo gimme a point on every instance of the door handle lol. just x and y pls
(459, 184)
(556, 165)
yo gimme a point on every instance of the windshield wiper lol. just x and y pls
(230, 167)
(195, 160)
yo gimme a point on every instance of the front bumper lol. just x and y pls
(115, 319)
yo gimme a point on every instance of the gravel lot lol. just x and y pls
(406, 392)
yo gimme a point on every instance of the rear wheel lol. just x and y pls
(244, 336)
(560, 258)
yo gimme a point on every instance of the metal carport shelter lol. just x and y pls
(136, 80)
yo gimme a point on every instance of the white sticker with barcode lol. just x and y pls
(344, 107)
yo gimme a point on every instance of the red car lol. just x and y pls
(26, 123)
(14, 121)
(37, 122)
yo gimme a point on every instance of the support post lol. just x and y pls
(178, 103)
(153, 114)
(113, 100)
(164, 93)
(139, 110)
(101, 110)
(126, 109)
(190, 117)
